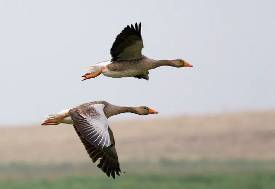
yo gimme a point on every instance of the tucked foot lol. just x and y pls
(90, 75)
(143, 76)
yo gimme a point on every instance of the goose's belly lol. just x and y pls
(118, 74)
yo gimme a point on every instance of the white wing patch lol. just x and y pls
(100, 123)
(93, 125)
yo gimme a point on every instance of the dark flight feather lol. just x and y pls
(128, 44)
(107, 155)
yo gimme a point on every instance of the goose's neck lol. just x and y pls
(158, 63)
(115, 110)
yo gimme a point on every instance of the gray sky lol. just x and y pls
(44, 46)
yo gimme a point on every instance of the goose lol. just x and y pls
(127, 59)
(91, 125)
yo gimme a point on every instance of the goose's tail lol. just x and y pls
(92, 72)
(93, 68)
(52, 119)
(61, 117)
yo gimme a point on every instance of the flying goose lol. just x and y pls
(127, 59)
(91, 124)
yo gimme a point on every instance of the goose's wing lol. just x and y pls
(128, 44)
(91, 125)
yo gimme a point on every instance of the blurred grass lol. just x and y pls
(161, 175)
(248, 180)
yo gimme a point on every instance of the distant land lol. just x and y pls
(244, 135)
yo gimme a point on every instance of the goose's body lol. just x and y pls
(127, 59)
(117, 69)
(90, 121)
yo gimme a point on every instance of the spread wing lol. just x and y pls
(128, 44)
(97, 138)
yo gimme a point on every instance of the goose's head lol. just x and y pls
(144, 110)
(181, 63)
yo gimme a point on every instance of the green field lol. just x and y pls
(165, 174)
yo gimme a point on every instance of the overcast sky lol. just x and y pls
(45, 46)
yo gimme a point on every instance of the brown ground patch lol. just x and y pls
(248, 135)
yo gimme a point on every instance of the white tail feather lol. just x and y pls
(94, 68)
(97, 67)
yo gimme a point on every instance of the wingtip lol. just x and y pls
(136, 26)
(113, 174)
(132, 26)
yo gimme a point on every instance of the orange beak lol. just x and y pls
(187, 64)
(152, 111)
